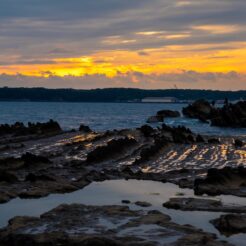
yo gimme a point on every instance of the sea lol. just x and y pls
(104, 116)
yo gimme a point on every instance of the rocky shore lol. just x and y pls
(41, 159)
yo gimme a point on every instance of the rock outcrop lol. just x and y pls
(19, 129)
(230, 115)
(112, 148)
(222, 181)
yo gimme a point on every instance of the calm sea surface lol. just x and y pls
(101, 116)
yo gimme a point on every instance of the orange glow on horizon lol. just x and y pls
(168, 59)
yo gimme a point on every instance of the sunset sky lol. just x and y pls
(123, 43)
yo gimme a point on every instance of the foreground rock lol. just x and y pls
(72, 225)
(228, 181)
(113, 148)
(71, 160)
(230, 224)
(196, 204)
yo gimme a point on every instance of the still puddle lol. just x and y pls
(113, 192)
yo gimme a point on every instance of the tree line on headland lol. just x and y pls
(111, 94)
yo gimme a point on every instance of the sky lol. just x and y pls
(150, 44)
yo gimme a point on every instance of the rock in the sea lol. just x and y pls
(143, 204)
(168, 113)
(155, 119)
(230, 115)
(200, 109)
(229, 224)
(125, 201)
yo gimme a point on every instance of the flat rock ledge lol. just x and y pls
(202, 204)
(76, 225)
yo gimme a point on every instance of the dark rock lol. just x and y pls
(33, 177)
(99, 241)
(222, 181)
(168, 113)
(8, 177)
(143, 204)
(146, 130)
(125, 201)
(147, 153)
(31, 159)
(19, 129)
(112, 148)
(214, 141)
(238, 143)
(229, 224)
(84, 128)
(199, 139)
(200, 109)
(230, 115)
(202, 204)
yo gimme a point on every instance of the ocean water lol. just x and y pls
(102, 116)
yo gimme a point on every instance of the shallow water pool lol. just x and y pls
(113, 192)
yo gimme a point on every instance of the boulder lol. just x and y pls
(168, 113)
(229, 224)
(222, 181)
(200, 109)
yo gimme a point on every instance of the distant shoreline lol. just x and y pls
(114, 95)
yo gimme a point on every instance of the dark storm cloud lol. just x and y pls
(35, 27)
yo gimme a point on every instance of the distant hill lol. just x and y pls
(110, 95)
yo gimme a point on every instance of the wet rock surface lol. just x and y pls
(59, 163)
(78, 224)
(71, 160)
(230, 224)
